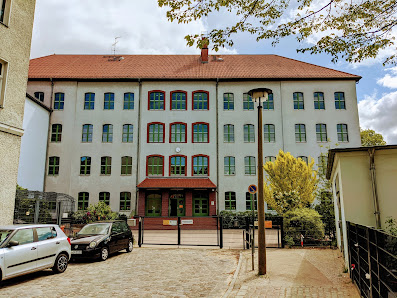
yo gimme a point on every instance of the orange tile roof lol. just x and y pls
(271, 67)
(176, 183)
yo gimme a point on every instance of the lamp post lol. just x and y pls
(260, 95)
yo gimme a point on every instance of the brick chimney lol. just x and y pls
(204, 53)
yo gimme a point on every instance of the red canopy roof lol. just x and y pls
(176, 183)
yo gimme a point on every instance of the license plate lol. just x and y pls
(77, 252)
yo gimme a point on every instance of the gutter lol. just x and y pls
(49, 135)
(371, 152)
(138, 147)
(217, 149)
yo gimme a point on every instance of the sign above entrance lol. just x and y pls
(252, 189)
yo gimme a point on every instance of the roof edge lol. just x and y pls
(35, 100)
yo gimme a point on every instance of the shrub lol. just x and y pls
(230, 217)
(100, 211)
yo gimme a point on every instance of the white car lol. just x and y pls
(28, 248)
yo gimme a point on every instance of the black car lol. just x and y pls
(99, 239)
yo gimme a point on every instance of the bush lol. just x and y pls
(233, 219)
(100, 211)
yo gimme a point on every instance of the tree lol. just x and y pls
(370, 138)
(352, 30)
(291, 183)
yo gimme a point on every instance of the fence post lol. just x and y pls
(282, 231)
(179, 230)
(248, 233)
(36, 211)
(139, 232)
(369, 261)
(221, 233)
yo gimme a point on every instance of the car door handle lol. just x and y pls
(57, 242)
(33, 248)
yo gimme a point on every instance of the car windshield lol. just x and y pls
(4, 235)
(95, 229)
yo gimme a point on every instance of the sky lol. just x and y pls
(90, 27)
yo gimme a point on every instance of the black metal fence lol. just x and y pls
(373, 261)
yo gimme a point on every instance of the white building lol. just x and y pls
(176, 134)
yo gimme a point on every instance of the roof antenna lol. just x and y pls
(114, 45)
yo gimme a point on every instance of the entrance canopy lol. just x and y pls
(196, 183)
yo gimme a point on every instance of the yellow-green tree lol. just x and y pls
(370, 138)
(291, 183)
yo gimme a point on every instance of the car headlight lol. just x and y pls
(92, 244)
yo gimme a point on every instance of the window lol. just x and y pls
(106, 165)
(300, 133)
(200, 165)
(85, 165)
(178, 133)
(53, 165)
(319, 101)
(156, 100)
(228, 133)
(87, 133)
(107, 133)
(200, 133)
(126, 165)
(127, 133)
(270, 159)
(125, 201)
(248, 103)
(342, 133)
(322, 164)
(155, 165)
(304, 158)
(59, 101)
(269, 104)
(46, 233)
(250, 166)
(89, 101)
(228, 101)
(298, 101)
(23, 236)
(3, 72)
(200, 203)
(153, 204)
(178, 100)
(39, 96)
(249, 133)
(4, 11)
(108, 103)
(177, 165)
(155, 133)
(321, 132)
(269, 133)
(82, 201)
(56, 133)
(230, 200)
(229, 165)
(340, 101)
(200, 100)
(128, 101)
(251, 202)
(104, 197)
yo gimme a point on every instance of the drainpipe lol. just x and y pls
(371, 152)
(48, 136)
(138, 144)
(217, 150)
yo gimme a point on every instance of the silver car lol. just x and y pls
(28, 248)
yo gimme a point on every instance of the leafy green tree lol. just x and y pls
(352, 30)
(370, 138)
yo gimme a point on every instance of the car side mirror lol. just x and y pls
(13, 243)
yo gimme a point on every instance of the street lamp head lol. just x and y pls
(260, 94)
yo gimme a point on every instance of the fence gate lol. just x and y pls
(274, 233)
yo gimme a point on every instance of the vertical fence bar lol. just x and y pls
(369, 262)
(36, 211)
(179, 230)
(282, 232)
(139, 232)
(221, 233)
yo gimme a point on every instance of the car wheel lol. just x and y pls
(130, 245)
(104, 253)
(61, 263)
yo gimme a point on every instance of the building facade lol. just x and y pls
(16, 23)
(177, 135)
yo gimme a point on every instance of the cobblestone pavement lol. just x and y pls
(146, 272)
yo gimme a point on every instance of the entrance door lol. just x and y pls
(153, 205)
(177, 204)
(200, 207)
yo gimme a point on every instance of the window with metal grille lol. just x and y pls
(269, 103)
(155, 165)
(200, 132)
(340, 101)
(249, 133)
(89, 101)
(178, 133)
(127, 133)
(126, 165)
(269, 133)
(228, 101)
(85, 165)
(156, 100)
(125, 200)
(39, 95)
(108, 103)
(200, 101)
(230, 200)
(156, 133)
(248, 103)
(229, 165)
(300, 133)
(59, 101)
(104, 197)
(86, 136)
(304, 158)
(251, 201)
(106, 165)
(321, 132)
(250, 166)
(128, 101)
(298, 101)
(319, 101)
(178, 100)
(178, 165)
(228, 133)
(107, 133)
(200, 165)
(270, 159)
(82, 201)
(53, 165)
(56, 133)
(342, 132)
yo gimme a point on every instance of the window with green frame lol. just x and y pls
(155, 165)
(156, 133)
(125, 201)
(229, 165)
(319, 103)
(89, 101)
(228, 101)
(178, 133)
(228, 133)
(53, 165)
(106, 165)
(342, 132)
(108, 103)
(269, 103)
(249, 133)
(248, 103)
(298, 101)
(250, 165)
(270, 159)
(56, 133)
(128, 101)
(83, 200)
(86, 136)
(59, 101)
(304, 158)
(200, 165)
(300, 133)
(230, 200)
(200, 132)
(177, 165)
(269, 133)
(153, 204)
(340, 103)
(200, 204)
(156, 100)
(85, 165)
(104, 197)
(251, 202)
(321, 132)
(178, 101)
(200, 101)
(126, 165)
(127, 133)
(107, 133)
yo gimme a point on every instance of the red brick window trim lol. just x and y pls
(200, 165)
(178, 132)
(155, 132)
(200, 100)
(156, 100)
(178, 165)
(178, 100)
(200, 132)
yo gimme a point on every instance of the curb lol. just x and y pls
(231, 286)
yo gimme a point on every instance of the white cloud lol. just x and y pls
(380, 115)
(388, 80)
